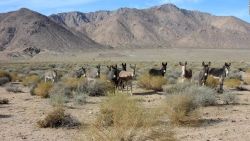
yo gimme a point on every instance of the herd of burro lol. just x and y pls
(122, 77)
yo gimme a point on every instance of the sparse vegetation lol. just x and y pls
(232, 83)
(4, 101)
(30, 80)
(184, 100)
(4, 80)
(177, 87)
(97, 87)
(14, 77)
(72, 83)
(58, 118)
(43, 89)
(5, 74)
(121, 118)
(212, 82)
(14, 88)
(152, 82)
(4, 77)
(229, 98)
(182, 110)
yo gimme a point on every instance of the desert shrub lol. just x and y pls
(202, 96)
(72, 83)
(182, 110)
(5, 74)
(58, 118)
(152, 82)
(212, 82)
(32, 89)
(229, 98)
(80, 98)
(246, 78)
(232, 83)
(173, 76)
(14, 88)
(43, 89)
(97, 87)
(248, 70)
(4, 80)
(15, 77)
(177, 87)
(122, 118)
(30, 80)
(58, 96)
(4, 101)
(235, 75)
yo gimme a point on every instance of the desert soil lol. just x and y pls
(18, 119)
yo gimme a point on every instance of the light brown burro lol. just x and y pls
(126, 77)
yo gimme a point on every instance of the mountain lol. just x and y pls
(29, 31)
(161, 26)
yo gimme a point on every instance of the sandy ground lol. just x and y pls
(18, 119)
(138, 55)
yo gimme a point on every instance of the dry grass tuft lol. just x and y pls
(182, 110)
(43, 89)
(30, 80)
(4, 77)
(152, 82)
(58, 118)
(122, 118)
(232, 83)
(72, 83)
(5, 74)
(212, 82)
(14, 77)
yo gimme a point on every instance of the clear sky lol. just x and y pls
(238, 8)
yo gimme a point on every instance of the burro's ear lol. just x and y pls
(203, 63)
(209, 63)
(162, 63)
(186, 63)
(166, 63)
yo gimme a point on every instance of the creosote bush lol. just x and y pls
(122, 118)
(43, 89)
(152, 82)
(58, 118)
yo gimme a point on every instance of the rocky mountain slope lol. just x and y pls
(161, 26)
(26, 29)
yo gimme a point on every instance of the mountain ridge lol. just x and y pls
(159, 26)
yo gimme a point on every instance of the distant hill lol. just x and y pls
(161, 26)
(28, 31)
(166, 26)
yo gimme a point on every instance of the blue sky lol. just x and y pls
(238, 8)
